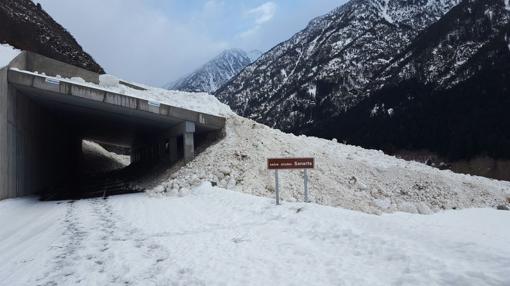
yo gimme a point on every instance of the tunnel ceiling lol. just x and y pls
(97, 121)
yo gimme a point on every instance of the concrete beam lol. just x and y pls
(182, 128)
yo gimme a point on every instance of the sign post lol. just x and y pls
(290, 163)
(306, 186)
(277, 187)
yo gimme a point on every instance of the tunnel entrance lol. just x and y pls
(59, 132)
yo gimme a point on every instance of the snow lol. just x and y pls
(312, 90)
(345, 176)
(384, 10)
(108, 81)
(117, 161)
(374, 110)
(217, 237)
(200, 102)
(7, 54)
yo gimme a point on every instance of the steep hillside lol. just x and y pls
(447, 92)
(326, 69)
(26, 26)
(216, 72)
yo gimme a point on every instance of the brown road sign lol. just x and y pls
(290, 163)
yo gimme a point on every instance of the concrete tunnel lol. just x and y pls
(43, 120)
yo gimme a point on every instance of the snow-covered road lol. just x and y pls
(218, 237)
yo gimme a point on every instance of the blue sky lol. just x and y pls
(157, 41)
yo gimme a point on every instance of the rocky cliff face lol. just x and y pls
(326, 69)
(26, 26)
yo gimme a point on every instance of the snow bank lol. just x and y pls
(345, 176)
(7, 54)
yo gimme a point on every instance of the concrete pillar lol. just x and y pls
(186, 130)
(189, 146)
(12, 148)
(3, 134)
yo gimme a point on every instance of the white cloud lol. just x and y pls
(213, 7)
(263, 13)
(249, 33)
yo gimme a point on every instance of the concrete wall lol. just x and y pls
(37, 150)
(36, 63)
(33, 146)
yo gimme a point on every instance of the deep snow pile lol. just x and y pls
(345, 176)
(217, 237)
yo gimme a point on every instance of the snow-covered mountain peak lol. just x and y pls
(234, 53)
(217, 71)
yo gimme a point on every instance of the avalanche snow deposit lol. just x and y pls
(345, 176)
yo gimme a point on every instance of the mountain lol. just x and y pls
(326, 68)
(216, 72)
(447, 92)
(26, 26)
(389, 75)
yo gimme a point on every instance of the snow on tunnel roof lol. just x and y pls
(199, 102)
